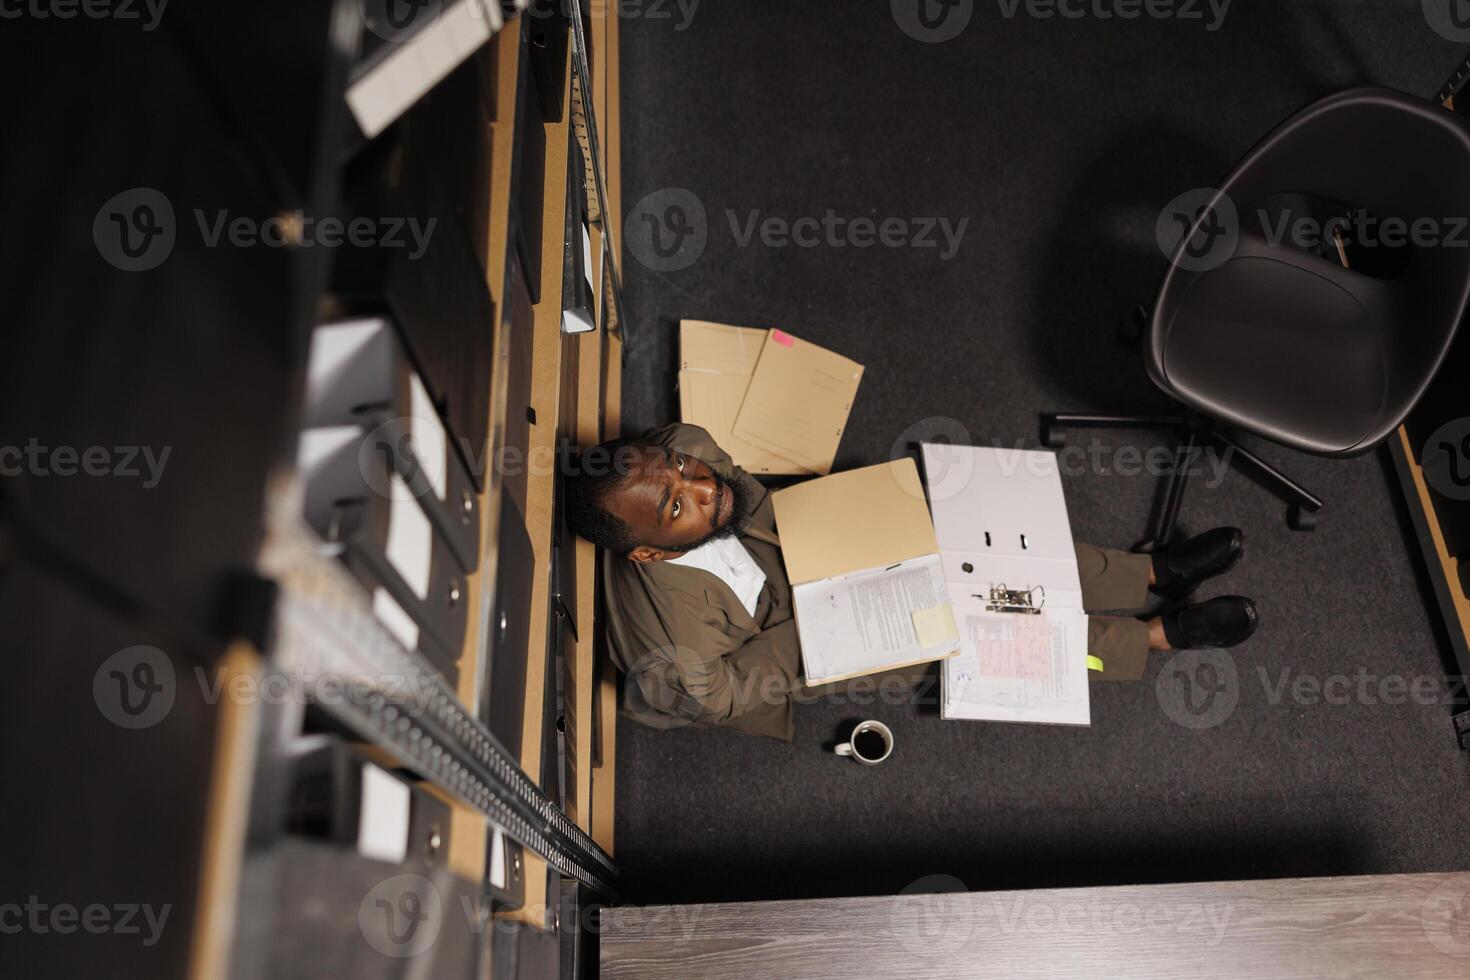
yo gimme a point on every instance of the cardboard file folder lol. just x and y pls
(715, 365)
(798, 401)
(867, 584)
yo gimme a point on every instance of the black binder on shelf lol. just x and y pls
(528, 175)
(358, 374)
(561, 639)
(554, 720)
(356, 499)
(411, 190)
(504, 874)
(519, 323)
(509, 630)
(337, 794)
(443, 310)
(578, 952)
(548, 32)
(316, 893)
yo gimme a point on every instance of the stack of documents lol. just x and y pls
(867, 584)
(1001, 522)
(777, 404)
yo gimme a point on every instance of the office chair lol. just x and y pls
(1249, 334)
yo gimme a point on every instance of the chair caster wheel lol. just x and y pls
(1051, 436)
(1301, 519)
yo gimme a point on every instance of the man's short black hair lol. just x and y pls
(590, 479)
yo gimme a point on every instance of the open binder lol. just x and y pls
(1005, 545)
(865, 574)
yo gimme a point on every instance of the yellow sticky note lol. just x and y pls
(1094, 663)
(935, 626)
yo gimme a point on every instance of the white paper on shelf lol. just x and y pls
(410, 538)
(496, 874)
(382, 829)
(393, 616)
(426, 432)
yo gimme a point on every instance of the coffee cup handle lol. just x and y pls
(844, 749)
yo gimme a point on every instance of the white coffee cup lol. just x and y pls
(861, 745)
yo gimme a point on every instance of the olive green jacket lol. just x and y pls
(689, 652)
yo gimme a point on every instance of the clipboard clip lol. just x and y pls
(1024, 601)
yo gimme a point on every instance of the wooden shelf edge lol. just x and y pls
(607, 106)
(604, 775)
(546, 380)
(469, 829)
(237, 729)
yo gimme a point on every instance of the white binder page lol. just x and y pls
(1019, 667)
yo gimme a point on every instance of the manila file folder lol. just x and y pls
(866, 579)
(715, 365)
(798, 401)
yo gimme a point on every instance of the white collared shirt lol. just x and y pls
(729, 561)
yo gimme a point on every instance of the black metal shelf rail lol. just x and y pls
(328, 642)
(592, 150)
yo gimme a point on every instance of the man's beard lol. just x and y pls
(740, 505)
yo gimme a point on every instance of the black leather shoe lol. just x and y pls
(1181, 567)
(1221, 622)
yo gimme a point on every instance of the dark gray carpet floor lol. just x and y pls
(1060, 141)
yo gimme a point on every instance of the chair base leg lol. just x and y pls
(1053, 425)
(1300, 500)
(1168, 517)
(1301, 520)
(1303, 506)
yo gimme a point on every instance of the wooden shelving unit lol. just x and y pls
(468, 840)
(254, 825)
(606, 102)
(573, 395)
(575, 391)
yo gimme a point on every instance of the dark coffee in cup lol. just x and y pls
(869, 744)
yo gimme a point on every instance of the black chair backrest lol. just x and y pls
(1406, 162)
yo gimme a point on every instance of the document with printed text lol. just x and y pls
(874, 620)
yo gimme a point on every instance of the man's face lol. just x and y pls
(673, 503)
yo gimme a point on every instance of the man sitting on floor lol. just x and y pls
(699, 609)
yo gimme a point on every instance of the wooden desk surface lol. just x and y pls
(1380, 926)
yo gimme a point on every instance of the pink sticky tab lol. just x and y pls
(782, 337)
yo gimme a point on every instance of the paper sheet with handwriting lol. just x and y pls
(1018, 667)
(872, 620)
